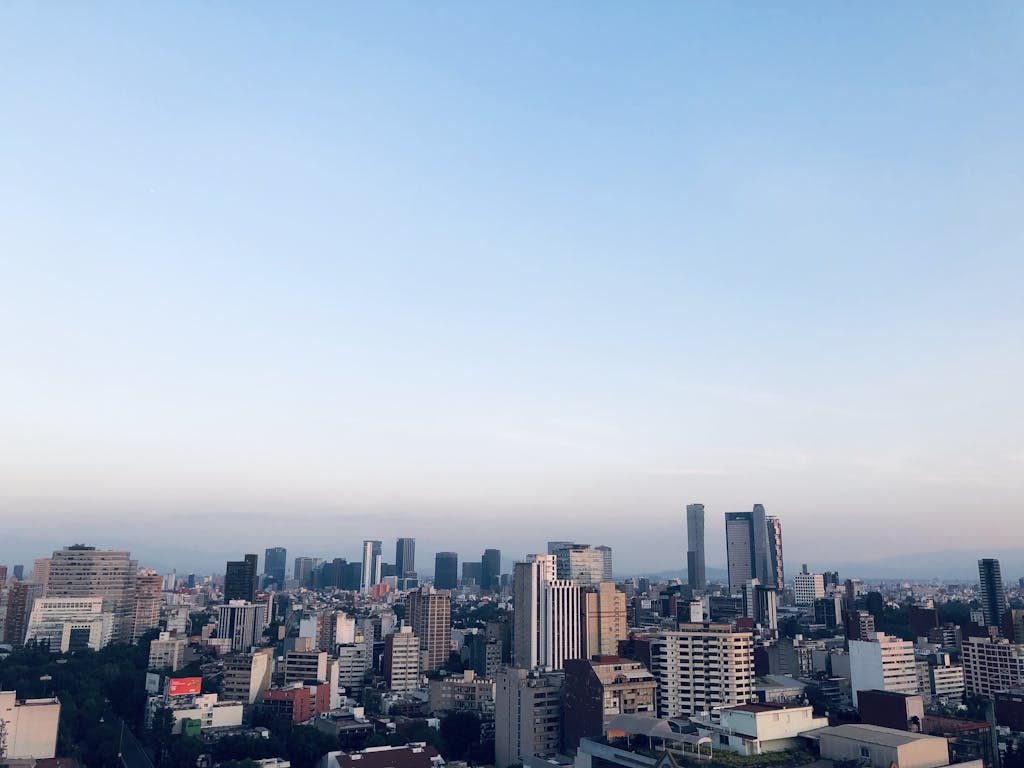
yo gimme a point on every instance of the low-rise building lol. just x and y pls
(196, 712)
(30, 726)
(753, 729)
(462, 693)
(598, 689)
(167, 652)
(412, 755)
(879, 747)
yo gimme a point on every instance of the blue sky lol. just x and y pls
(313, 273)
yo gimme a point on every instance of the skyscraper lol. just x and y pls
(490, 569)
(371, 565)
(240, 579)
(446, 570)
(405, 558)
(275, 562)
(695, 573)
(81, 571)
(304, 570)
(547, 615)
(606, 553)
(993, 595)
(580, 563)
(429, 613)
(747, 551)
(775, 553)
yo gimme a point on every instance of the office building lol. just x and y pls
(429, 613)
(401, 661)
(355, 659)
(596, 690)
(546, 617)
(695, 570)
(304, 662)
(462, 693)
(882, 663)
(371, 566)
(303, 571)
(992, 665)
(606, 554)
(604, 622)
(700, 667)
(490, 570)
(446, 570)
(405, 558)
(472, 572)
(760, 603)
(275, 563)
(828, 611)
(747, 552)
(240, 579)
(993, 594)
(858, 625)
(82, 618)
(241, 622)
(554, 546)
(80, 571)
(808, 587)
(527, 715)
(580, 563)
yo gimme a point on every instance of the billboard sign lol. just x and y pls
(185, 686)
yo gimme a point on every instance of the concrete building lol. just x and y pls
(760, 603)
(167, 652)
(858, 625)
(700, 667)
(247, 676)
(604, 622)
(30, 726)
(81, 571)
(992, 665)
(462, 693)
(355, 659)
(149, 589)
(401, 662)
(598, 689)
(528, 715)
(756, 729)
(197, 712)
(302, 664)
(242, 623)
(696, 575)
(21, 598)
(88, 625)
(527, 577)
(902, 711)
(808, 587)
(775, 555)
(879, 747)
(429, 613)
(828, 611)
(883, 663)
(946, 678)
(412, 755)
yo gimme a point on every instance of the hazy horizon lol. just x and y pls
(490, 276)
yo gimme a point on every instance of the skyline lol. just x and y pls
(361, 271)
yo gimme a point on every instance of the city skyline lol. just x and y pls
(456, 265)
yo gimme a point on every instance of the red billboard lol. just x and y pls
(185, 686)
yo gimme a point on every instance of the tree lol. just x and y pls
(459, 731)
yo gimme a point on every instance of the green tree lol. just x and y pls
(459, 731)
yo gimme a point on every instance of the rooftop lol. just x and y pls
(871, 734)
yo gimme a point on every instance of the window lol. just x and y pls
(865, 752)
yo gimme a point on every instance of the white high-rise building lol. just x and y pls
(242, 622)
(700, 667)
(81, 571)
(883, 663)
(992, 665)
(371, 565)
(808, 587)
(82, 619)
(546, 621)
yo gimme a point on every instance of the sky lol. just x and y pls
(492, 274)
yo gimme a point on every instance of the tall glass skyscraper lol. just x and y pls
(695, 574)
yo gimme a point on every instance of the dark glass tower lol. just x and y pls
(993, 597)
(446, 570)
(240, 579)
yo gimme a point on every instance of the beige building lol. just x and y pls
(755, 729)
(429, 614)
(604, 620)
(882, 663)
(149, 590)
(247, 676)
(167, 652)
(31, 726)
(305, 664)
(882, 747)
(527, 715)
(700, 667)
(401, 664)
(602, 688)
